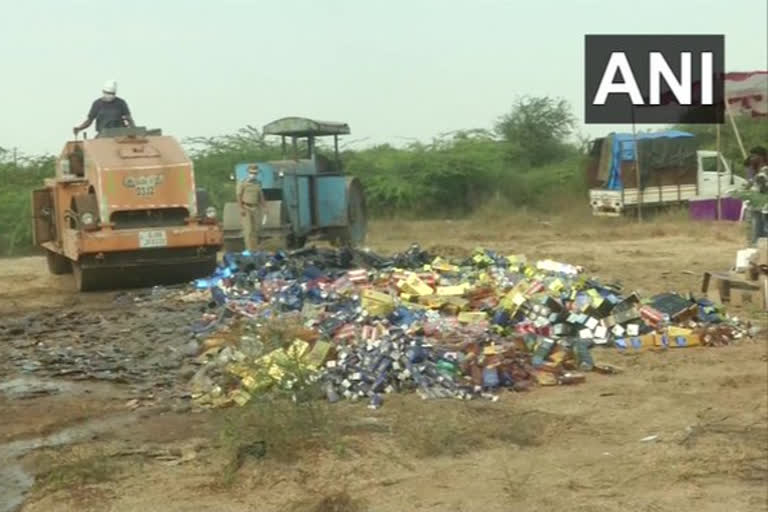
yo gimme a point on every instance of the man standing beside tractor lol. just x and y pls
(252, 205)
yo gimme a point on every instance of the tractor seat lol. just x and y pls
(324, 164)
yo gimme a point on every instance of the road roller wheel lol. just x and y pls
(85, 279)
(57, 263)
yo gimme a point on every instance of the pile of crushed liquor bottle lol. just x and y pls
(364, 325)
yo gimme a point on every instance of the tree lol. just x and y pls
(753, 131)
(537, 128)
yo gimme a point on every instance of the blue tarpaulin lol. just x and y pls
(623, 150)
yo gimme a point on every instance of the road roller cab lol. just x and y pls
(307, 193)
(123, 210)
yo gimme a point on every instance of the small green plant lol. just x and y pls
(272, 425)
(282, 422)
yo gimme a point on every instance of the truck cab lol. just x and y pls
(711, 183)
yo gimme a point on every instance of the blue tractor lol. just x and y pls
(308, 195)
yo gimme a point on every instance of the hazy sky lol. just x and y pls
(392, 69)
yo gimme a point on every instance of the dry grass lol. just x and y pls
(496, 224)
(451, 428)
(334, 501)
(71, 470)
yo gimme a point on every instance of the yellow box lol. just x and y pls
(458, 289)
(415, 286)
(556, 285)
(441, 265)
(678, 341)
(317, 356)
(545, 378)
(455, 304)
(512, 301)
(240, 397)
(678, 331)
(256, 382)
(377, 303)
(297, 349)
(635, 343)
(432, 301)
(472, 317)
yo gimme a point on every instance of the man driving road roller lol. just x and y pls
(109, 111)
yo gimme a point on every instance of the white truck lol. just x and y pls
(676, 186)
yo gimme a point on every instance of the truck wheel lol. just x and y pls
(57, 264)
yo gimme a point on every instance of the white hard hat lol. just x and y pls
(110, 87)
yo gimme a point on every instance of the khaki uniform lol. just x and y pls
(250, 198)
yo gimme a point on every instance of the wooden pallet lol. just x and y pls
(726, 287)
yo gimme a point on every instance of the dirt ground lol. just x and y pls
(685, 429)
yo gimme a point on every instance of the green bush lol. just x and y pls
(19, 176)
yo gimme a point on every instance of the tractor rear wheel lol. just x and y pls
(57, 263)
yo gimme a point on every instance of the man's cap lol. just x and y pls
(110, 87)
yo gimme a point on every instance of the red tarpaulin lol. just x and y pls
(747, 93)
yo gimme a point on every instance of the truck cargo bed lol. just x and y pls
(614, 202)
